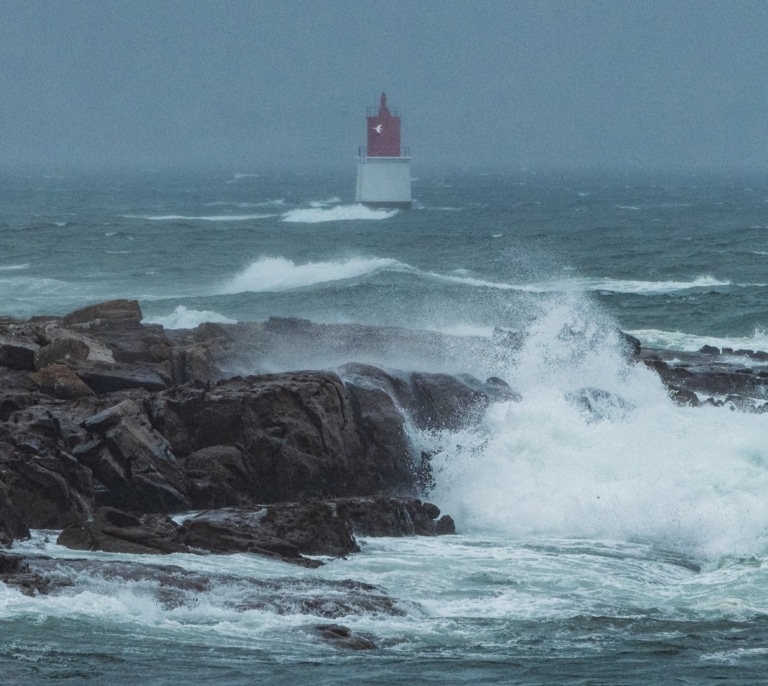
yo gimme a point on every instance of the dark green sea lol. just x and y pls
(632, 550)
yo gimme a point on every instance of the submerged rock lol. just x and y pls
(287, 531)
(342, 637)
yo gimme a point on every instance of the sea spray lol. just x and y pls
(692, 480)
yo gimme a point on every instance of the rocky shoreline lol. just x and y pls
(109, 426)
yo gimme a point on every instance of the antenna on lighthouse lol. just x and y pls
(383, 171)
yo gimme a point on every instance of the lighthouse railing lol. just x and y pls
(362, 152)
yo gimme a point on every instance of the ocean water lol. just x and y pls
(630, 550)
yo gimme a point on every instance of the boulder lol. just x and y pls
(61, 350)
(59, 381)
(133, 461)
(432, 401)
(107, 313)
(342, 637)
(387, 516)
(114, 531)
(12, 525)
(298, 435)
(17, 353)
(598, 404)
(288, 531)
(104, 378)
(46, 485)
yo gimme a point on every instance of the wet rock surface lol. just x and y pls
(173, 586)
(108, 425)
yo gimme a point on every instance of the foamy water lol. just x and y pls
(278, 274)
(319, 214)
(640, 469)
(627, 545)
(184, 318)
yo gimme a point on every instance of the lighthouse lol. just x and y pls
(383, 166)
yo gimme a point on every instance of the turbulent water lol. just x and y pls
(630, 550)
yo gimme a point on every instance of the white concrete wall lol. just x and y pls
(384, 180)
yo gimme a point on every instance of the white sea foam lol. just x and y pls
(335, 200)
(693, 480)
(677, 340)
(576, 285)
(270, 274)
(651, 287)
(14, 267)
(317, 215)
(244, 205)
(204, 218)
(183, 318)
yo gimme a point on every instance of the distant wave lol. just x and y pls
(244, 205)
(652, 287)
(270, 274)
(240, 177)
(316, 215)
(587, 284)
(335, 200)
(183, 318)
(206, 218)
(687, 342)
(14, 267)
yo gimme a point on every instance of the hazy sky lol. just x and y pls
(256, 84)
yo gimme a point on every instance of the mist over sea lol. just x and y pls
(630, 550)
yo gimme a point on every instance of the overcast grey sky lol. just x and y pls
(483, 83)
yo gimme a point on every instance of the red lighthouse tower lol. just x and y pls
(384, 132)
(383, 172)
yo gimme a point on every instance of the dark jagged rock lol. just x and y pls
(160, 430)
(382, 516)
(296, 431)
(63, 349)
(12, 525)
(15, 571)
(105, 314)
(114, 531)
(433, 401)
(17, 353)
(46, 485)
(173, 587)
(342, 637)
(286, 531)
(682, 396)
(105, 378)
(710, 373)
(599, 404)
(60, 381)
(133, 461)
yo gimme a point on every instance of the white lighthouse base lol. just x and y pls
(384, 182)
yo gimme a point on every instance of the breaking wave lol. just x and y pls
(677, 340)
(205, 218)
(316, 215)
(270, 274)
(638, 468)
(184, 318)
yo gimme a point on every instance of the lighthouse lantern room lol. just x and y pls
(384, 167)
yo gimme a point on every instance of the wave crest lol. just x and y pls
(270, 274)
(316, 215)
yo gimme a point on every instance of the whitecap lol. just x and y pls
(270, 274)
(204, 218)
(688, 342)
(317, 215)
(184, 318)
